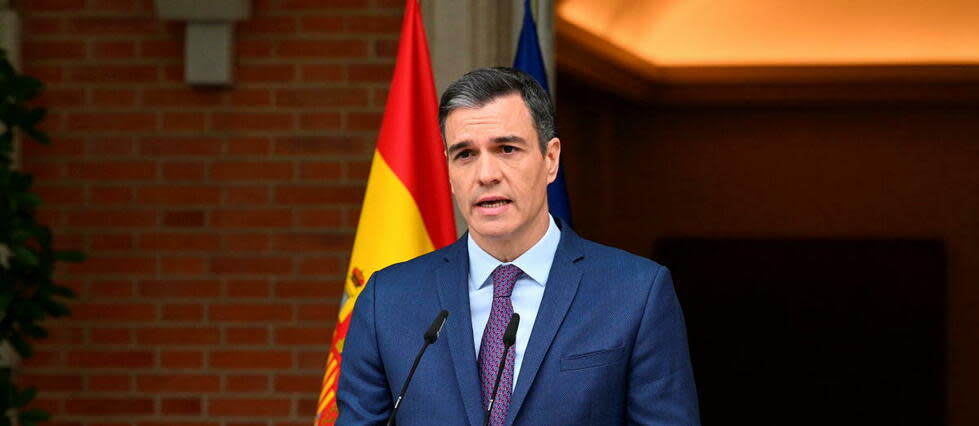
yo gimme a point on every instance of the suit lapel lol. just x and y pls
(559, 292)
(454, 295)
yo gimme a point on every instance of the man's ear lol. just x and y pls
(552, 158)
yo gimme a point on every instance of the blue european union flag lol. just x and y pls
(530, 61)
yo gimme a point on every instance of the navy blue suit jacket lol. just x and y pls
(609, 345)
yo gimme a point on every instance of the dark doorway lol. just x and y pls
(814, 332)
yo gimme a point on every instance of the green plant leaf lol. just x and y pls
(21, 346)
(73, 256)
(63, 291)
(33, 330)
(26, 256)
(25, 396)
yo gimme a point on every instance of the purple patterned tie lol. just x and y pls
(491, 347)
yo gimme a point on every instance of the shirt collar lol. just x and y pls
(535, 262)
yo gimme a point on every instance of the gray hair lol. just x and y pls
(479, 87)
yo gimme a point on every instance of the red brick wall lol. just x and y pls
(218, 221)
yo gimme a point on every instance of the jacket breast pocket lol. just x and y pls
(592, 359)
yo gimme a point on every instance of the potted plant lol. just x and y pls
(28, 293)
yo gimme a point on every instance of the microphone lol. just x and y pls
(509, 338)
(430, 337)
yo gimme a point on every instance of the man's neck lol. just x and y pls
(506, 249)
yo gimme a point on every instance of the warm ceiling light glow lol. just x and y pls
(784, 32)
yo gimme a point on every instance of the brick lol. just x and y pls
(320, 4)
(109, 406)
(184, 121)
(181, 359)
(247, 170)
(111, 242)
(247, 195)
(248, 146)
(310, 242)
(60, 195)
(43, 358)
(112, 5)
(181, 265)
(321, 145)
(320, 121)
(110, 359)
(109, 383)
(114, 73)
(251, 121)
(268, 25)
(114, 265)
(325, 218)
(298, 383)
(378, 73)
(179, 195)
(181, 406)
(66, 336)
(364, 121)
(246, 383)
(320, 171)
(254, 49)
(313, 360)
(246, 242)
(161, 50)
(385, 48)
(250, 312)
(183, 242)
(184, 218)
(339, 97)
(322, 73)
(176, 146)
(319, 194)
(321, 312)
(113, 49)
(45, 25)
(171, 288)
(111, 288)
(61, 147)
(249, 360)
(302, 335)
(111, 336)
(178, 336)
(250, 265)
(183, 312)
(193, 171)
(183, 97)
(113, 97)
(322, 24)
(48, 74)
(119, 25)
(178, 383)
(248, 407)
(319, 266)
(251, 97)
(52, 382)
(367, 24)
(248, 288)
(110, 146)
(246, 336)
(113, 170)
(303, 289)
(111, 122)
(112, 218)
(262, 218)
(44, 171)
(83, 311)
(63, 98)
(56, 5)
(321, 49)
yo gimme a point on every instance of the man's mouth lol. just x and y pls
(498, 202)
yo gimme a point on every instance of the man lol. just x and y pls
(601, 337)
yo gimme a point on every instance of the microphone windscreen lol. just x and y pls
(510, 335)
(433, 330)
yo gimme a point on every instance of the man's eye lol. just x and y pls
(508, 149)
(463, 155)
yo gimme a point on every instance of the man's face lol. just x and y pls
(497, 172)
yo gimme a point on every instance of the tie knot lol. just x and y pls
(504, 277)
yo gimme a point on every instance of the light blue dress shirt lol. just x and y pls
(527, 292)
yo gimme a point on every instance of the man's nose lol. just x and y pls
(487, 170)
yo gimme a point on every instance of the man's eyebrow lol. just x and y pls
(457, 146)
(509, 139)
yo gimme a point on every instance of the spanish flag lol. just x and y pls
(407, 209)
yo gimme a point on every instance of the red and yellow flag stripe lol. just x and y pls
(407, 208)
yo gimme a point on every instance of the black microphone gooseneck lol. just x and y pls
(430, 337)
(509, 338)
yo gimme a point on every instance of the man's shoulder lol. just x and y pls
(421, 265)
(610, 261)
